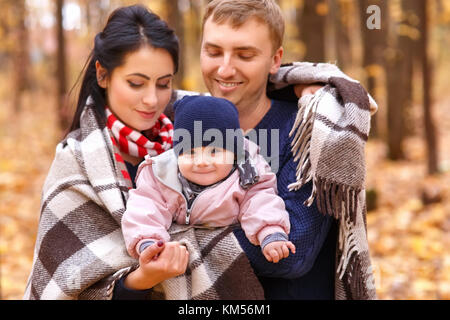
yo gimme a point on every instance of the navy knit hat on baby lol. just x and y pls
(202, 121)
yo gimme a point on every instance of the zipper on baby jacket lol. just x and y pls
(190, 205)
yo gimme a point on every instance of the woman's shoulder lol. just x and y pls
(64, 167)
(75, 153)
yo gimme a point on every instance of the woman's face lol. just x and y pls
(139, 89)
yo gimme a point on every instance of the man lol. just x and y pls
(241, 47)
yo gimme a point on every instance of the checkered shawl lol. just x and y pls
(80, 251)
(330, 132)
(217, 268)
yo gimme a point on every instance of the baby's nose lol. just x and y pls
(201, 160)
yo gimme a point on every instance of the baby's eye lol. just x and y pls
(215, 151)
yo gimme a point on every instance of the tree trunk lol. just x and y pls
(430, 132)
(175, 21)
(409, 42)
(374, 47)
(312, 29)
(64, 118)
(341, 11)
(20, 57)
(399, 74)
(397, 68)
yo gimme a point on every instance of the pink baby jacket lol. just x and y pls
(158, 201)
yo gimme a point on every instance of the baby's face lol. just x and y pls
(206, 165)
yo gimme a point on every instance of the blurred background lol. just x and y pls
(398, 49)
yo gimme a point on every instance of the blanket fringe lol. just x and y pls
(300, 146)
(347, 246)
(337, 200)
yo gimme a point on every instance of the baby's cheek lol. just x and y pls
(184, 166)
(223, 170)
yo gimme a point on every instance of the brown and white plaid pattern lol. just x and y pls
(80, 252)
(217, 269)
(330, 132)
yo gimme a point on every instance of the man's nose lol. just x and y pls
(226, 68)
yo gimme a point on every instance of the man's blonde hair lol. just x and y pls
(237, 12)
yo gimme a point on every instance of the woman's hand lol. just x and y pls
(158, 262)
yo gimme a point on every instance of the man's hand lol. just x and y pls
(303, 89)
(277, 250)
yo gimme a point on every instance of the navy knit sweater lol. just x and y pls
(309, 273)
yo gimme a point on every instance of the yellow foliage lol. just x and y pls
(444, 16)
(322, 8)
(374, 70)
(408, 31)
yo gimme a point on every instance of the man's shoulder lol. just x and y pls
(283, 114)
(285, 106)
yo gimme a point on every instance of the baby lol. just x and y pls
(211, 183)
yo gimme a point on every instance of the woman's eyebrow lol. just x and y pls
(139, 75)
(166, 76)
(147, 77)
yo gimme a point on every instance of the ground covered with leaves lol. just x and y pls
(408, 230)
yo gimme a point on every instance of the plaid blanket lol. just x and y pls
(217, 268)
(80, 252)
(330, 132)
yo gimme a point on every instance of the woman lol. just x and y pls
(80, 252)
(127, 84)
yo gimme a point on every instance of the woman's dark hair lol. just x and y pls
(127, 30)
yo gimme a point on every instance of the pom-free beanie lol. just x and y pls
(202, 121)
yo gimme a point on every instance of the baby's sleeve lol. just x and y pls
(262, 211)
(147, 216)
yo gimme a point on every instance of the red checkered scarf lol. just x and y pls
(154, 141)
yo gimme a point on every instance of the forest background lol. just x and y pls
(398, 49)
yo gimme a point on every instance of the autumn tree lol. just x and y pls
(430, 131)
(20, 55)
(312, 24)
(175, 21)
(374, 42)
(341, 17)
(61, 77)
(396, 64)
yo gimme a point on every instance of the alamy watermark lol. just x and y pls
(374, 20)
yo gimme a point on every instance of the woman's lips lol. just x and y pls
(146, 115)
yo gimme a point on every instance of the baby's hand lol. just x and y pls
(277, 250)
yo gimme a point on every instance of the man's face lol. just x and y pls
(236, 62)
